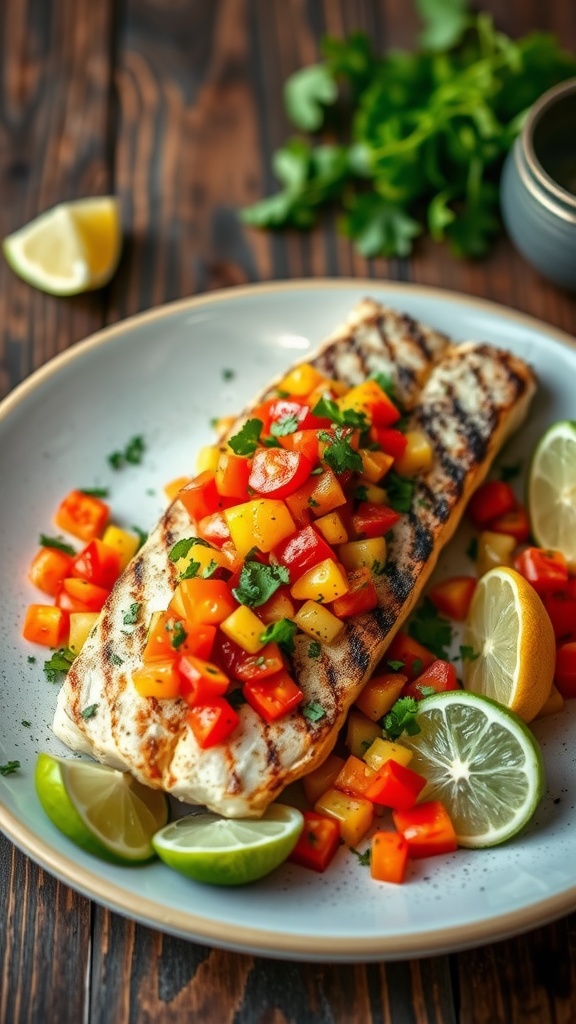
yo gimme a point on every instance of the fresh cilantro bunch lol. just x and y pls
(420, 136)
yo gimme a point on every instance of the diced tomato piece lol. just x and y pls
(200, 497)
(232, 472)
(393, 442)
(361, 596)
(98, 564)
(83, 515)
(388, 857)
(395, 786)
(277, 472)
(214, 529)
(492, 499)
(200, 681)
(212, 723)
(514, 523)
(273, 697)
(452, 597)
(46, 624)
(545, 570)
(303, 441)
(243, 666)
(412, 657)
(202, 602)
(372, 520)
(427, 829)
(301, 551)
(561, 608)
(317, 843)
(565, 675)
(439, 677)
(76, 595)
(49, 567)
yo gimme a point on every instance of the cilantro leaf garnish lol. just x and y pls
(130, 618)
(378, 567)
(314, 649)
(385, 383)
(245, 442)
(115, 659)
(468, 653)
(58, 543)
(89, 712)
(313, 711)
(9, 768)
(339, 453)
(95, 492)
(228, 374)
(329, 409)
(181, 548)
(285, 425)
(178, 635)
(258, 582)
(510, 472)
(281, 632)
(132, 453)
(430, 629)
(400, 491)
(363, 858)
(395, 665)
(402, 718)
(59, 662)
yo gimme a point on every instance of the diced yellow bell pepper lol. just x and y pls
(322, 778)
(318, 622)
(158, 679)
(173, 487)
(208, 458)
(204, 556)
(81, 625)
(279, 606)
(418, 455)
(368, 552)
(375, 464)
(371, 492)
(382, 750)
(301, 380)
(323, 582)
(354, 814)
(380, 693)
(261, 523)
(360, 732)
(245, 628)
(332, 528)
(494, 549)
(124, 543)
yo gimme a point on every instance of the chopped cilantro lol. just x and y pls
(132, 453)
(179, 635)
(285, 425)
(181, 548)
(378, 568)
(339, 453)
(228, 374)
(314, 649)
(258, 582)
(190, 572)
(400, 492)
(402, 718)
(115, 659)
(89, 712)
(360, 493)
(58, 663)
(313, 711)
(430, 629)
(363, 858)
(317, 471)
(417, 666)
(472, 549)
(26, 723)
(95, 492)
(385, 383)
(130, 618)
(282, 633)
(58, 543)
(245, 442)
(9, 768)
(468, 653)
(31, 659)
(510, 472)
(330, 410)
(395, 665)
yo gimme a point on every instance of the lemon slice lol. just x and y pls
(105, 811)
(552, 491)
(482, 761)
(513, 645)
(72, 248)
(229, 851)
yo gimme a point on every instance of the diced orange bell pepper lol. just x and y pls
(76, 595)
(170, 635)
(452, 597)
(303, 441)
(212, 723)
(412, 657)
(206, 602)
(280, 606)
(375, 464)
(200, 497)
(200, 680)
(49, 568)
(395, 786)
(380, 693)
(157, 679)
(301, 380)
(318, 496)
(173, 487)
(388, 857)
(355, 777)
(360, 597)
(232, 474)
(317, 843)
(370, 399)
(274, 697)
(427, 829)
(83, 515)
(45, 624)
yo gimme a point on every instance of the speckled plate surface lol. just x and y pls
(164, 374)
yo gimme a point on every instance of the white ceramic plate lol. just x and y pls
(164, 374)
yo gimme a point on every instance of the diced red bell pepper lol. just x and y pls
(76, 595)
(427, 829)
(273, 697)
(395, 786)
(360, 597)
(545, 570)
(170, 636)
(98, 564)
(46, 624)
(452, 597)
(277, 472)
(243, 666)
(212, 723)
(439, 677)
(492, 499)
(393, 442)
(303, 441)
(317, 843)
(301, 551)
(412, 656)
(214, 529)
(514, 523)
(372, 520)
(388, 857)
(231, 478)
(200, 497)
(561, 608)
(200, 681)
(565, 674)
(49, 567)
(285, 408)
(83, 515)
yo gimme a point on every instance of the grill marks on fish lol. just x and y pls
(472, 397)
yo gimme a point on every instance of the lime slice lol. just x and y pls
(72, 248)
(481, 761)
(105, 811)
(229, 851)
(552, 490)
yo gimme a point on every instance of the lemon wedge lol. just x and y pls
(552, 491)
(72, 248)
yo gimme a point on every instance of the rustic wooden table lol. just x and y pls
(175, 105)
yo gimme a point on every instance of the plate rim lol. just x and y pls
(186, 924)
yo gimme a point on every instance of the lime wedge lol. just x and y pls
(482, 761)
(552, 490)
(229, 851)
(105, 811)
(72, 248)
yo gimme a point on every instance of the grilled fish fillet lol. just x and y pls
(468, 399)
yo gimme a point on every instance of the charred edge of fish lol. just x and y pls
(476, 440)
(384, 619)
(416, 335)
(401, 583)
(423, 543)
(358, 652)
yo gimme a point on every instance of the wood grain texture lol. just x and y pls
(176, 106)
